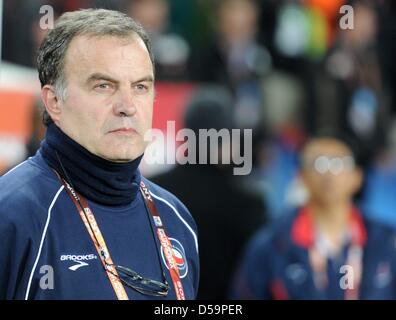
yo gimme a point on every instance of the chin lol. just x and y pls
(123, 157)
(124, 152)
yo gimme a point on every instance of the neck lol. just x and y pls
(99, 180)
(332, 220)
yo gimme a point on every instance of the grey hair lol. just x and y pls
(91, 22)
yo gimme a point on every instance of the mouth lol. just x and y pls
(123, 131)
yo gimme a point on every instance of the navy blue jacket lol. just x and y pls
(275, 266)
(47, 253)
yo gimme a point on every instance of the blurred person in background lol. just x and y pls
(233, 53)
(283, 105)
(326, 249)
(353, 69)
(171, 50)
(225, 211)
(235, 58)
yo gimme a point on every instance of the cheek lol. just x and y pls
(149, 119)
(147, 114)
(352, 183)
(85, 116)
(310, 179)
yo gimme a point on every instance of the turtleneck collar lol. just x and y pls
(99, 180)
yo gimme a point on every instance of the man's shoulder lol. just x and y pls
(26, 188)
(31, 170)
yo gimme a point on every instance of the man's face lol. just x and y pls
(328, 172)
(109, 96)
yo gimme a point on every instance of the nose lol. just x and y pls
(125, 105)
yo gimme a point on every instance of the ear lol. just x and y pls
(51, 102)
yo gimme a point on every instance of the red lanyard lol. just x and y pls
(303, 233)
(90, 223)
(165, 243)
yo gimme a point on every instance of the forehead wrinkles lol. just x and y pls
(83, 52)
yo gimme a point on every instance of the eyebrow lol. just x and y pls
(100, 76)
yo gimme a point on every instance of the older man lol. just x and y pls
(77, 220)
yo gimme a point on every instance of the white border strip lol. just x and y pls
(42, 241)
(180, 217)
(1, 27)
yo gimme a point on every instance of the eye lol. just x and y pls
(140, 87)
(103, 86)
